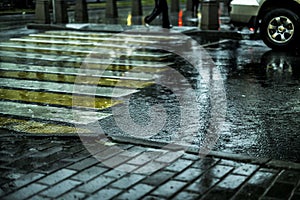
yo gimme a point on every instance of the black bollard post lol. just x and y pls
(136, 8)
(175, 6)
(210, 15)
(111, 9)
(42, 14)
(81, 11)
(61, 12)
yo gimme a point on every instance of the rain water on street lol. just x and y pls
(38, 72)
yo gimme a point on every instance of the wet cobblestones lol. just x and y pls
(185, 175)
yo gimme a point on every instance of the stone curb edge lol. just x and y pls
(263, 162)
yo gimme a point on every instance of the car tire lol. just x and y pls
(280, 29)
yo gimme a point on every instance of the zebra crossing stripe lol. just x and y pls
(49, 113)
(97, 52)
(56, 99)
(78, 79)
(91, 63)
(88, 44)
(66, 88)
(142, 35)
(76, 71)
(86, 38)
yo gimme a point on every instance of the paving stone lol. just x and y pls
(95, 184)
(22, 181)
(115, 173)
(60, 188)
(25, 192)
(203, 184)
(169, 189)
(127, 181)
(256, 185)
(262, 178)
(246, 169)
(115, 161)
(89, 173)
(126, 167)
(77, 156)
(219, 171)
(132, 152)
(158, 178)
(289, 176)
(218, 193)
(104, 194)
(135, 192)
(186, 196)
(205, 163)
(108, 153)
(53, 166)
(232, 181)
(249, 192)
(72, 195)
(179, 165)
(47, 152)
(145, 157)
(88, 162)
(280, 190)
(150, 168)
(169, 157)
(152, 197)
(57, 176)
(39, 197)
(189, 174)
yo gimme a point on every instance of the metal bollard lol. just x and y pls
(210, 15)
(61, 12)
(136, 8)
(81, 11)
(111, 9)
(175, 6)
(42, 15)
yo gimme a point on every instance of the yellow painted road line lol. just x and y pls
(76, 79)
(57, 99)
(35, 127)
(49, 113)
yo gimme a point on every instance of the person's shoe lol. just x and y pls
(168, 26)
(146, 21)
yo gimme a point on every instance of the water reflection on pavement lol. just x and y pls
(263, 93)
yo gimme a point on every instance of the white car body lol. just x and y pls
(243, 10)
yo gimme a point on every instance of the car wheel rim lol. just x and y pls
(281, 29)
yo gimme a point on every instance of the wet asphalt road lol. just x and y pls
(263, 102)
(263, 93)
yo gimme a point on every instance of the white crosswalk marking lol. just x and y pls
(38, 74)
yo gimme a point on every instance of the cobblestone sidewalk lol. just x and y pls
(62, 168)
